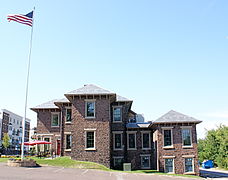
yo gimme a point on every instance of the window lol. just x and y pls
(54, 119)
(188, 164)
(146, 144)
(186, 137)
(131, 140)
(90, 140)
(117, 140)
(167, 133)
(169, 165)
(118, 163)
(68, 141)
(68, 115)
(145, 161)
(117, 114)
(90, 109)
(46, 146)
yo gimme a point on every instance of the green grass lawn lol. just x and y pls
(69, 163)
(4, 159)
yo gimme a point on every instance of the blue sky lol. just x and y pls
(162, 54)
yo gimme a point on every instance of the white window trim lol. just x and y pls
(190, 128)
(167, 128)
(68, 122)
(53, 113)
(121, 119)
(170, 157)
(50, 140)
(188, 156)
(193, 167)
(131, 132)
(116, 157)
(90, 130)
(90, 100)
(146, 132)
(114, 133)
(144, 155)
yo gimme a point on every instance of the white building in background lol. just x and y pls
(0, 130)
(11, 123)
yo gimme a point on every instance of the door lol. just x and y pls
(58, 147)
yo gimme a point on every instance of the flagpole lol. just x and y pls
(26, 94)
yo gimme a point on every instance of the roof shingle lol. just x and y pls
(122, 99)
(47, 105)
(90, 89)
(175, 117)
(138, 125)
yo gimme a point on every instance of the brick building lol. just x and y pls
(94, 124)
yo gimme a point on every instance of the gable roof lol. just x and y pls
(90, 89)
(122, 99)
(175, 117)
(47, 105)
(63, 100)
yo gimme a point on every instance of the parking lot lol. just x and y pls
(60, 173)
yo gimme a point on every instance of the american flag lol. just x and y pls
(24, 19)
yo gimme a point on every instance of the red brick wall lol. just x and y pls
(102, 125)
(44, 128)
(44, 122)
(134, 156)
(178, 151)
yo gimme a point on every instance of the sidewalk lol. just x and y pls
(215, 170)
(213, 173)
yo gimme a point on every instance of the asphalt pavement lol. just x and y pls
(60, 173)
(213, 173)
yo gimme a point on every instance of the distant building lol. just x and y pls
(32, 134)
(11, 123)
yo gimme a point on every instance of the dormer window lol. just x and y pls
(90, 108)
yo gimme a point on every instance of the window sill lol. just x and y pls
(90, 149)
(118, 149)
(190, 173)
(67, 150)
(54, 126)
(146, 148)
(168, 147)
(90, 117)
(117, 121)
(145, 167)
(185, 147)
(68, 122)
(132, 149)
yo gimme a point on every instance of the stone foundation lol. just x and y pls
(22, 163)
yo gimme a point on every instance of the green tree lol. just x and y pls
(5, 141)
(215, 146)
